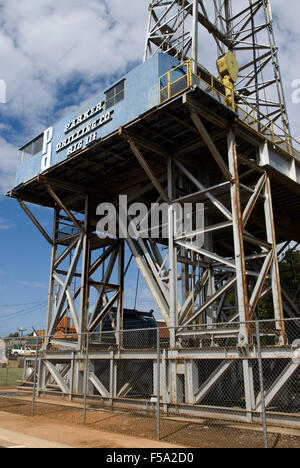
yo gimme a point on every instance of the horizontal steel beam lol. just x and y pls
(208, 353)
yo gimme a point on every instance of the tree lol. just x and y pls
(290, 283)
(289, 268)
(14, 335)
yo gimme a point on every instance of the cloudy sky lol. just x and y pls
(54, 55)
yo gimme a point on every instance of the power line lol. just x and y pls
(22, 312)
(28, 309)
(19, 305)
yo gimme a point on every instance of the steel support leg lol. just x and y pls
(242, 293)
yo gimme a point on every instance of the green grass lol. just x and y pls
(9, 377)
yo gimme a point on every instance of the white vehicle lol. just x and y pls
(23, 352)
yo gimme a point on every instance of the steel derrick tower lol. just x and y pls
(172, 132)
(244, 27)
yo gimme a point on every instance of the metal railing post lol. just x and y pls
(6, 378)
(169, 85)
(262, 389)
(190, 72)
(72, 377)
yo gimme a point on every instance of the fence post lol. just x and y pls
(86, 379)
(158, 385)
(262, 389)
(72, 377)
(34, 376)
(7, 366)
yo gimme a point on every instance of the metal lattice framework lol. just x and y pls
(189, 284)
(191, 149)
(244, 27)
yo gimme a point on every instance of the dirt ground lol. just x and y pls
(60, 422)
(18, 431)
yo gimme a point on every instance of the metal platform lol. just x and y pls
(167, 130)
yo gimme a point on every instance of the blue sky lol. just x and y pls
(23, 276)
(53, 56)
(24, 271)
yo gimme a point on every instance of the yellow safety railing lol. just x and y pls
(175, 81)
(181, 78)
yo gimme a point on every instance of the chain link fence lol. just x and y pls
(13, 353)
(207, 390)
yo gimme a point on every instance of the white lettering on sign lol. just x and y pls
(84, 131)
(47, 148)
(83, 117)
(74, 148)
(82, 143)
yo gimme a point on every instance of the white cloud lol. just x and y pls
(33, 284)
(4, 225)
(287, 34)
(47, 45)
(9, 158)
(44, 46)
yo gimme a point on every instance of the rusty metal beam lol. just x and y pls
(148, 171)
(65, 209)
(211, 145)
(35, 222)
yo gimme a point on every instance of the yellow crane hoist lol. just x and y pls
(228, 69)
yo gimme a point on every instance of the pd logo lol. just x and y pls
(47, 148)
